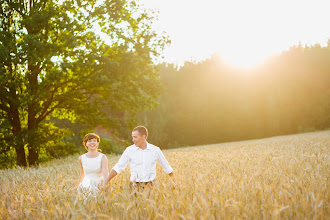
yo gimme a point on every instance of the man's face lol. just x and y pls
(137, 139)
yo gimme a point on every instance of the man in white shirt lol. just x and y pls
(142, 157)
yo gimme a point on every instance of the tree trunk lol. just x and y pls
(17, 131)
(19, 146)
(21, 159)
(32, 140)
(33, 156)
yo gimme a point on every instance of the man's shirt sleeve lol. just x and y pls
(122, 163)
(162, 160)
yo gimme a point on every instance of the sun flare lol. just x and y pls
(241, 57)
(243, 33)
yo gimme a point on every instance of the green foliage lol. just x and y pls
(54, 64)
(52, 142)
(110, 146)
(7, 158)
(211, 102)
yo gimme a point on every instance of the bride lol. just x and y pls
(93, 164)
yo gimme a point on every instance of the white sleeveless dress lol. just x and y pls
(93, 173)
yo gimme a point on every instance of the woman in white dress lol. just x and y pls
(93, 164)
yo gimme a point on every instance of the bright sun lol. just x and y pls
(243, 33)
(243, 59)
(243, 56)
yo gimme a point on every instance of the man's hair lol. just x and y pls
(142, 130)
(90, 136)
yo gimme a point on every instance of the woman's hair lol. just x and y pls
(90, 136)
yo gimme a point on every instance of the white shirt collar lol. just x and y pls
(148, 147)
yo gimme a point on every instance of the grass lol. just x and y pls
(284, 177)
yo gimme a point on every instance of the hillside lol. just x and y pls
(279, 177)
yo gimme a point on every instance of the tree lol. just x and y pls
(54, 64)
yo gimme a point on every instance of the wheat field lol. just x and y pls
(285, 177)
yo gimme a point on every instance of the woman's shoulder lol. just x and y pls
(80, 158)
(84, 156)
(102, 155)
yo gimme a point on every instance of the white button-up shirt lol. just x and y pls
(142, 162)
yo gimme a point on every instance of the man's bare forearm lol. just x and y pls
(111, 175)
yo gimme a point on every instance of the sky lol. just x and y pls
(243, 32)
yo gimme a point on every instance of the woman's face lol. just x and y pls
(92, 144)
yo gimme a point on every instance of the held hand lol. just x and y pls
(111, 175)
(172, 180)
(105, 187)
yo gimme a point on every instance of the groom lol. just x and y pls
(142, 157)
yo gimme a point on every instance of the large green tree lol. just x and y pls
(54, 63)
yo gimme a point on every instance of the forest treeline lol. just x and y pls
(210, 102)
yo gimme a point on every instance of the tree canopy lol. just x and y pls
(82, 60)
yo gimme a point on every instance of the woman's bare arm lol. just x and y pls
(105, 168)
